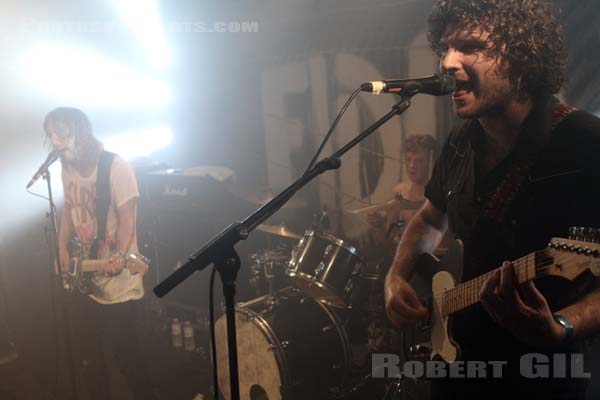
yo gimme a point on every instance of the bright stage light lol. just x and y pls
(144, 20)
(70, 75)
(139, 143)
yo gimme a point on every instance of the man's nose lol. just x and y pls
(450, 62)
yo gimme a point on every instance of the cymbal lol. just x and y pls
(279, 231)
(262, 197)
(398, 203)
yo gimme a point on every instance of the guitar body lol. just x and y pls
(441, 277)
(442, 345)
(574, 259)
(76, 278)
(82, 268)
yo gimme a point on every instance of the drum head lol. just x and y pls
(258, 368)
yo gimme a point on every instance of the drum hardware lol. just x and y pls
(337, 263)
(281, 345)
(320, 268)
(267, 272)
(270, 302)
(246, 317)
(322, 221)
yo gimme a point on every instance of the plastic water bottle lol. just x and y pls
(176, 336)
(189, 343)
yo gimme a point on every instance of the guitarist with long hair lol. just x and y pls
(520, 170)
(103, 314)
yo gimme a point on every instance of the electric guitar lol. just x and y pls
(567, 258)
(82, 268)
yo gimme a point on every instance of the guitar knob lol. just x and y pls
(420, 350)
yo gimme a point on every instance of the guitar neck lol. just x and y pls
(93, 265)
(467, 293)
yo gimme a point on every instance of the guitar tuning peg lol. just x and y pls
(585, 234)
(595, 232)
(577, 233)
(573, 233)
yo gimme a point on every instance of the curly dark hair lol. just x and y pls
(525, 35)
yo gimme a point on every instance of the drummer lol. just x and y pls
(417, 151)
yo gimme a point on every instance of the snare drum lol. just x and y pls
(294, 348)
(325, 267)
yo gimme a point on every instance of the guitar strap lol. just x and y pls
(102, 198)
(498, 204)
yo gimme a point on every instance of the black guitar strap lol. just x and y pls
(102, 198)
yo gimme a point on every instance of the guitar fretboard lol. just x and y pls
(94, 265)
(467, 293)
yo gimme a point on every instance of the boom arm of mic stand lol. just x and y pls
(219, 250)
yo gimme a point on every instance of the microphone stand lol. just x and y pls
(52, 239)
(220, 249)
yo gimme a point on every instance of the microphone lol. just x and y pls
(436, 85)
(53, 156)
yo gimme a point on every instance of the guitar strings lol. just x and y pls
(478, 282)
(452, 303)
(541, 263)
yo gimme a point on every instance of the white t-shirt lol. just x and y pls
(80, 195)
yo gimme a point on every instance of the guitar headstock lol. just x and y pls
(137, 263)
(573, 256)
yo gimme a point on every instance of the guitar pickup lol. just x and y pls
(420, 350)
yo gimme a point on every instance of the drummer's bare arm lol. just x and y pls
(423, 234)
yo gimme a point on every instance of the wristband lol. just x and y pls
(566, 324)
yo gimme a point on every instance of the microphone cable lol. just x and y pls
(332, 128)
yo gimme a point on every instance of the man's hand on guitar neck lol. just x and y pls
(403, 306)
(116, 263)
(521, 309)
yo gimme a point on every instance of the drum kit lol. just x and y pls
(295, 339)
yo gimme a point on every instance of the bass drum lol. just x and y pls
(290, 347)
